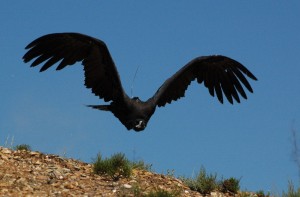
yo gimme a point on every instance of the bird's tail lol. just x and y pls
(100, 107)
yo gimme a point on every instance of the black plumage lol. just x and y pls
(220, 74)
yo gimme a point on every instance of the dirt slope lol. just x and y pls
(24, 173)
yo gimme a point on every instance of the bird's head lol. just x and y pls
(139, 125)
(136, 124)
(138, 114)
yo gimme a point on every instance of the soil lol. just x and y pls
(31, 173)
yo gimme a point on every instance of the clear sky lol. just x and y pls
(251, 140)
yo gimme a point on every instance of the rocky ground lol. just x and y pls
(24, 173)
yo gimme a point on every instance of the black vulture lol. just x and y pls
(220, 74)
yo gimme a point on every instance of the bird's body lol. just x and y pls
(220, 74)
(134, 113)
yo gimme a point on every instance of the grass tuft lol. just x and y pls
(25, 147)
(116, 167)
(141, 165)
(261, 193)
(203, 182)
(292, 192)
(231, 185)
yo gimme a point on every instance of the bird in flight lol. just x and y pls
(221, 75)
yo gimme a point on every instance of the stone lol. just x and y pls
(6, 151)
(127, 186)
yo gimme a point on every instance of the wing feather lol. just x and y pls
(242, 79)
(221, 76)
(101, 74)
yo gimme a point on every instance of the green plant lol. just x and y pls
(170, 173)
(116, 167)
(140, 165)
(291, 191)
(203, 182)
(231, 185)
(7, 144)
(245, 194)
(261, 193)
(25, 147)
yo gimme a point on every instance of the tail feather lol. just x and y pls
(100, 107)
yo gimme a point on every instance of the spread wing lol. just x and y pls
(220, 74)
(101, 74)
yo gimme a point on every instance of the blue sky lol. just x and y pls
(251, 140)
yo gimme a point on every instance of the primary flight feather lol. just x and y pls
(222, 76)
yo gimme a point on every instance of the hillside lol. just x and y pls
(24, 173)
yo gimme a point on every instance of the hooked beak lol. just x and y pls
(140, 126)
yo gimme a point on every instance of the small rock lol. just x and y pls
(17, 158)
(66, 170)
(34, 153)
(21, 180)
(6, 151)
(65, 191)
(127, 186)
(4, 185)
(76, 167)
(37, 162)
(4, 190)
(4, 157)
(73, 177)
(69, 186)
(41, 177)
(215, 194)
(133, 181)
